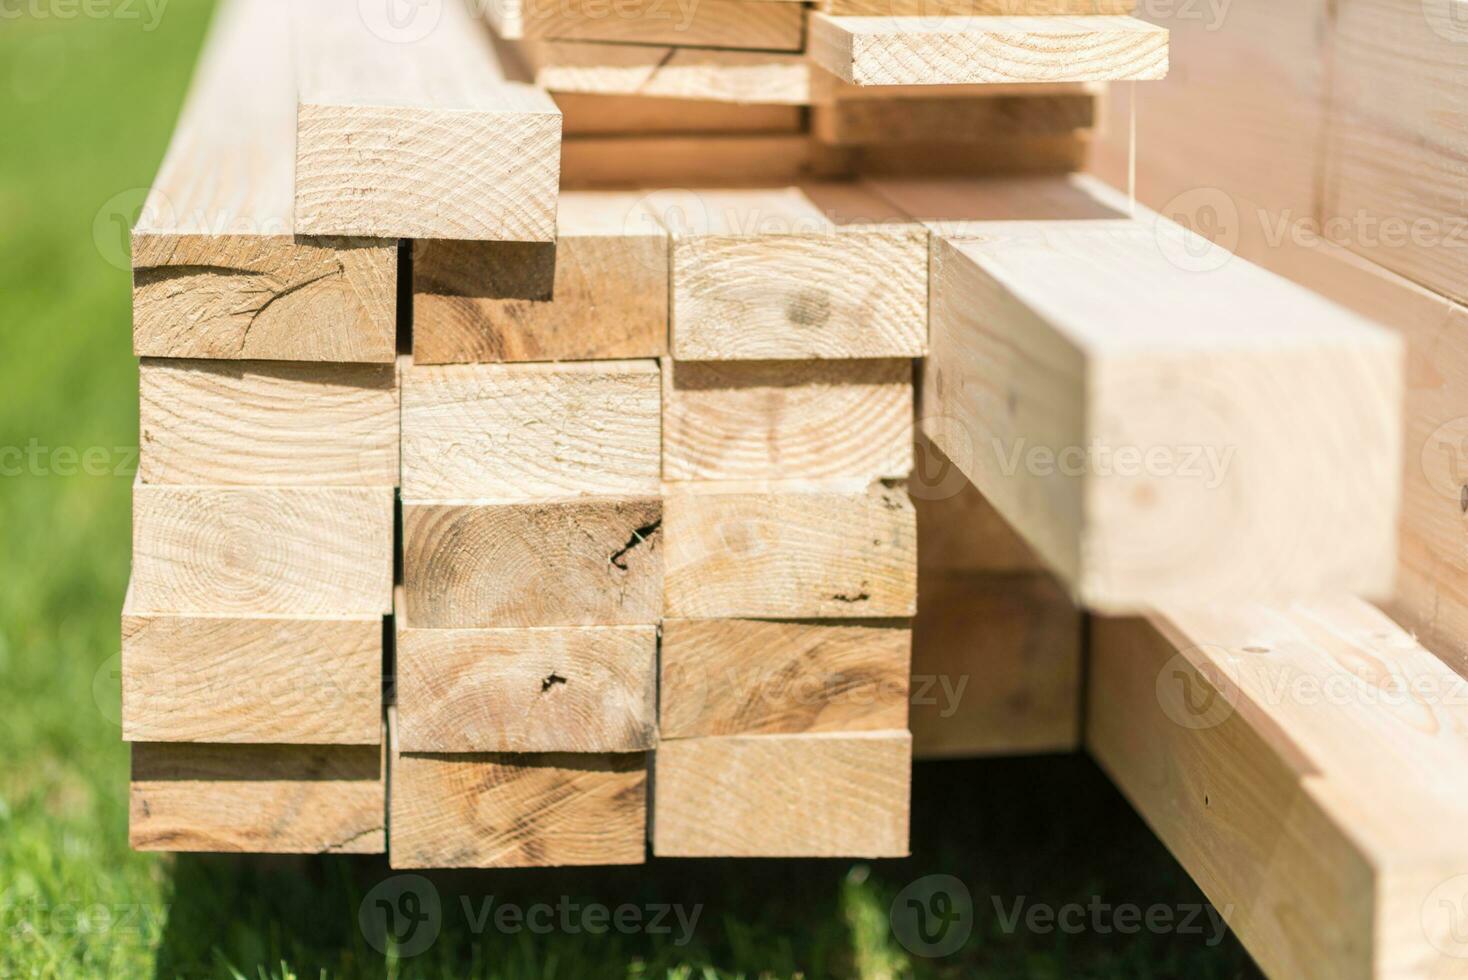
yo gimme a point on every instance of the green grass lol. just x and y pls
(86, 106)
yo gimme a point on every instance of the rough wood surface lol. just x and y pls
(920, 50)
(405, 132)
(611, 115)
(996, 665)
(752, 24)
(528, 432)
(1294, 758)
(784, 551)
(516, 811)
(629, 161)
(823, 270)
(588, 689)
(306, 799)
(754, 676)
(816, 795)
(266, 679)
(592, 562)
(738, 420)
(653, 71)
(286, 551)
(267, 423)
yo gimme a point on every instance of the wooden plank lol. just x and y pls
(270, 551)
(789, 550)
(996, 665)
(599, 293)
(266, 679)
(957, 207)
(974, 8)
(218, 270)
(816, 795)
(611, 115)
(588, 562)
(527, 432)
(944, 117)
(1127, 452)
(741, 420)
(1294, 758)
(916, 50)
(957, 529)
(657, 71)
(267, 423)
(306, 799)
(747, 24)
(568, 689)
(1001, 156)
(823, 270)
(752, 676)
(413, 131)
(627, 161)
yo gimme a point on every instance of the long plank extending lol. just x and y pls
(1302, 764)
(218, 270)
(970, 50)
(741, 24)
(657, 71)
(412, 132)
(1158, 419)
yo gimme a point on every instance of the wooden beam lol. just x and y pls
(599, 293)
(299, 799)
(751, 24)
(789, 550)
(752, 676)
(995, 156)
(218, 269)
(1294, 758)
(634, 115)
(271, 551)
(974, 8)
(413, 131)
(957, 529)
(917, 50)
(823, 270)
(531, 432)
(630, 161)
(938, 116)
(267, 423)
(815, 795)
(743, 420)
(658, 71)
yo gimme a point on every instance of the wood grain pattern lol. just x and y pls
(996, 665)
(918, 50)
(527, 432)
(265, 679)
(267, 424)
(599, 293)
(1293, 757)
(610, 115)
(752, 676)
(410, 133)
(593, 562)
(627, 161)
(589, 689)
(817, 795)
(751, 24)
(516, 811)
(306, 799)
(738, 420)
(783, 551)
(653, 71)
(287, 551)
(823, 270)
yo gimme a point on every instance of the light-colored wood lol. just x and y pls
(270, 551)
(267, 423)
(824, 270)
(267, 679)
(917, 50)
(412, 131)
(528, 432)
(1137, 459)
(754, 676)
(816, 795)
(628, 161)
(653, 71)
(599, 293)
(996, 665)
(588, 562)
(1294, 758)
(785, 550)
(974, 8)
(611, 115)
(957, 529)
(566, 689)
(217, 268)
(939, 116)
(751, 24)
(956, 207)
(517, 811)
(307, 799)
(1003, 156)
(743, 420)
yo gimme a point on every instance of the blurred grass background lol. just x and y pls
(86, 107)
